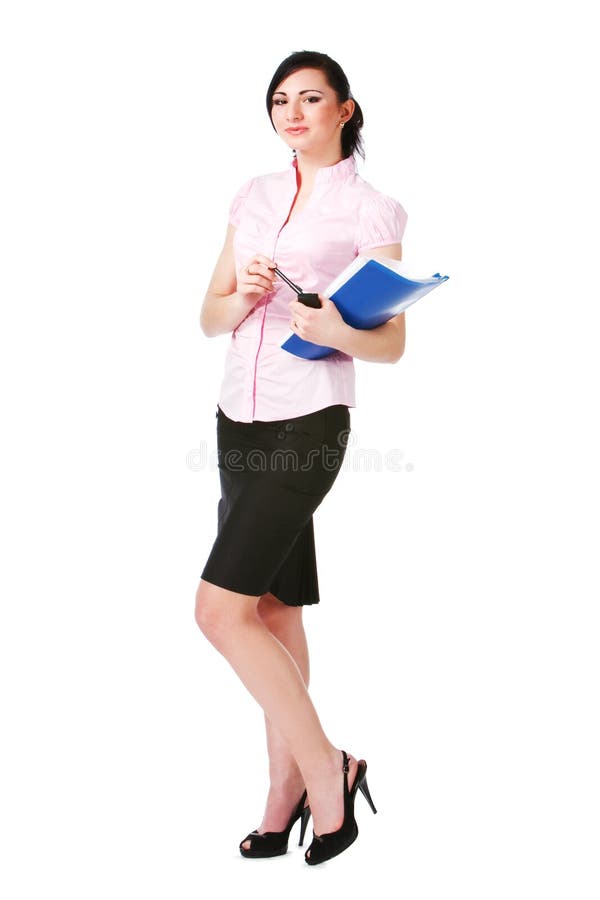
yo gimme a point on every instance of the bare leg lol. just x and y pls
(286, 781)
(232, 623)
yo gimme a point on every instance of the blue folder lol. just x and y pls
(371, 296)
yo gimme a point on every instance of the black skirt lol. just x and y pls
(273, 477)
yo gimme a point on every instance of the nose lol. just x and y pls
(294, 112)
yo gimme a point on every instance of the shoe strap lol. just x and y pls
(346, 769)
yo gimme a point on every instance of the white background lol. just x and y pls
(455, 646)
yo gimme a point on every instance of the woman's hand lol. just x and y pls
(256, 278)
(321, 326)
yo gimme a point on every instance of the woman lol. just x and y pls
(310, 220)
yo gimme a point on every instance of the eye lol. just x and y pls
(312, 99)
(279, 101)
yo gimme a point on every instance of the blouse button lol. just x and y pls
(289, 426)
(280, 434)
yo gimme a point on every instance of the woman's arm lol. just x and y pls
(384, 343)
(325, 326)
(230, 297)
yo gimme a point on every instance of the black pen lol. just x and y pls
(308, 299)
(293, 286)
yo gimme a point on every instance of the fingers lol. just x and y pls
(257, 276)
(252, 283)
(260, 264)
(264, 260)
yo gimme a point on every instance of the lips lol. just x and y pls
(298, 130)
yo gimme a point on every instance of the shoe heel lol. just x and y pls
(303, 823)
(364, 787)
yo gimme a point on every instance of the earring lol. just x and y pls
(341, 124)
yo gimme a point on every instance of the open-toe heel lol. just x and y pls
(325, 846)
(275, 843)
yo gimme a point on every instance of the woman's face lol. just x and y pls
(306, 112)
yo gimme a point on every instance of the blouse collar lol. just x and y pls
(341, 171)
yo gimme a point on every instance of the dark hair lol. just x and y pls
(336, 78)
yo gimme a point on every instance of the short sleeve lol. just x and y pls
(382, 221)
(237, 204)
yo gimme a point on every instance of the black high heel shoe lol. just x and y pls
(325, 846)
(275, 843)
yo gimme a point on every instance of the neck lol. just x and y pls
(309, 163)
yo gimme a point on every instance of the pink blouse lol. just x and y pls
(342, 217)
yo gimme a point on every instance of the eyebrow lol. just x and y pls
(307, 91)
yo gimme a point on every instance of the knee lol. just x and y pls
(208, 612)
(217, 610)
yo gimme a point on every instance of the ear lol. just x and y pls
(347, 110)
